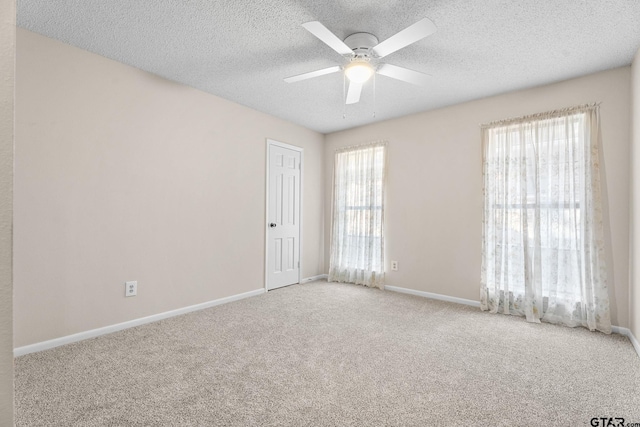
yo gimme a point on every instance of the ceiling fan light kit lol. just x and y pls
(361, 49)
(359, 71)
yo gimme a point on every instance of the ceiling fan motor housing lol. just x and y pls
(361, 43)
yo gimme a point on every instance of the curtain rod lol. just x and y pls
(548, 114)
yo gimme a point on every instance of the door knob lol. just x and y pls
(272, 225)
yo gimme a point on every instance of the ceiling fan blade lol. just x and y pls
(330, 39)
(353, 95)
(312, 74)
(411, 34)
(404, 74)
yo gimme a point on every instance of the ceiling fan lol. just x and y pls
(363, 51)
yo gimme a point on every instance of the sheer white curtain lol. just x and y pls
(543, 248)
(357, 237)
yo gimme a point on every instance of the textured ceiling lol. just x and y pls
(242, 49)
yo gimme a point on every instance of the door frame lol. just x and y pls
(269, 144)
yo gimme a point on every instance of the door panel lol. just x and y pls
(283, 219)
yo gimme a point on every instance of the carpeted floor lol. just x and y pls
(333, 355)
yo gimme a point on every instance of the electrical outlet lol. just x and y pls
(394, 265)
(131, 289)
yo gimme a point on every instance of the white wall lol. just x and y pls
(434, 197)
(7, 66)
(122, 175)
(634, 299)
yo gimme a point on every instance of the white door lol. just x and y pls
(283, 217)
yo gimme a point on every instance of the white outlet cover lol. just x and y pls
(131, 289)
(394, 265)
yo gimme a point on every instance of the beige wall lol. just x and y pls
(7, 67)
(634, 307)
(122, 175)
(434, 193)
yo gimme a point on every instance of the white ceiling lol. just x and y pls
(242, 49)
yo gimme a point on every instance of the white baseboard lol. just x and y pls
(45, 345)
(614, 329)
(433, 296)
(312, 278)
(620, 331)
(627, 333)
(635, 342)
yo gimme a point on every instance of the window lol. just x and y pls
(542, 246)
(357, 239)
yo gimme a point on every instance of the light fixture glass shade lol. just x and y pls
(358, 71)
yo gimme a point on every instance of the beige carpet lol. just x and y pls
(333, 355)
